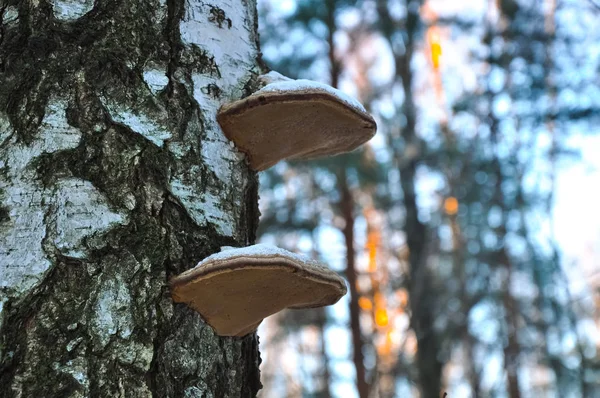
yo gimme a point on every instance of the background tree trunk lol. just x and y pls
(115, 176)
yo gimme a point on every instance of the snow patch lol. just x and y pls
(264, 251)
(156, 79)
(258, 250)
(229, 255)
(69, 10)
(273, 77)
(302, 85)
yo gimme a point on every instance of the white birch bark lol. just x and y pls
(115, 176)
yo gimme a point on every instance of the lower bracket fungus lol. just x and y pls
(295, 119)
(235, 289)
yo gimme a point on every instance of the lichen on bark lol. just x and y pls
(115, 176)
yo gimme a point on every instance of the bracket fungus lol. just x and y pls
(295, 119)
(235, 289)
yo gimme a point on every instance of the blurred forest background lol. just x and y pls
(468, 229)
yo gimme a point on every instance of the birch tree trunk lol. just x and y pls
(114, 177)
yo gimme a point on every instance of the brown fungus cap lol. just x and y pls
(295, 119)
(234, 290)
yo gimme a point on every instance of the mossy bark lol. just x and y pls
(115, 176)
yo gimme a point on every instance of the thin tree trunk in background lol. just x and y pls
(500, 259)
(421, 302)
(325, 392)
(468, 341)
(472, 372)
(511, 350)
(347, 210)
(321, 322)
(334, 64)
(114, 177)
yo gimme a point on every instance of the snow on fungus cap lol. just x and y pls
(235, 289)
(295, 119)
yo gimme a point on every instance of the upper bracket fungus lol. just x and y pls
(295, 119)
(234, 290)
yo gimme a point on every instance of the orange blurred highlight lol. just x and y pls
(435, 46)
(410, 346)
(436, 52)
(451, 206)
(372, 262)
(384, 349)
(365, 304)
(381, 317)
(402, 296)
(379, 300)
(371, 245)
(389, 336)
